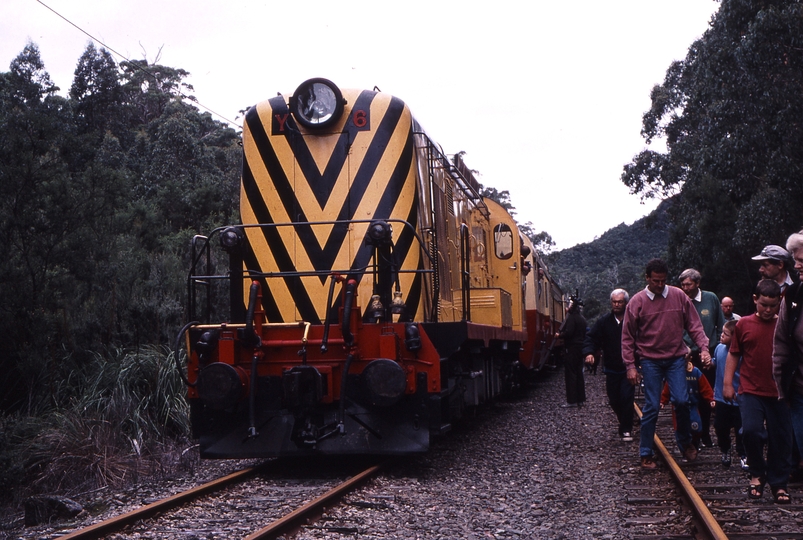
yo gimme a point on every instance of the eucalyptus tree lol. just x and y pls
(98, 96)
(99, 195)
(36, 202)
(729, 114)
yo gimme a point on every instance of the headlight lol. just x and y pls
(317, 103)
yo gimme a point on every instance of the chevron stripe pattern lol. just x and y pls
(363, 169)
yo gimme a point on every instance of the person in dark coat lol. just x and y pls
(573, 333)
(606, 336)
(787, 354)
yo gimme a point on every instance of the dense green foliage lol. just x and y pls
(614, 260)
(120, 418)
(100, 192)
(730, 114)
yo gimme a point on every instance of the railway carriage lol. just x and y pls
(374, 295)
(544, 303)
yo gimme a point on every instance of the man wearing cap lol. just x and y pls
(775, 265)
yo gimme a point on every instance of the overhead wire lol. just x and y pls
(135, 65)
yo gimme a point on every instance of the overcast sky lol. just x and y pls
(545, 97)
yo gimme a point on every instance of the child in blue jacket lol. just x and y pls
(728, 416)
(699, 388)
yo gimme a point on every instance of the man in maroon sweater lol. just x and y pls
(652, 331)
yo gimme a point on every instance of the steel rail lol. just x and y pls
(712, 527)
(300, 516)
(118, 522)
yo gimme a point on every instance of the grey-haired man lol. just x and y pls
(606, 336)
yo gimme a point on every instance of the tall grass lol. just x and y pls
(120, 416)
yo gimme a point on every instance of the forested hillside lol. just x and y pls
(101, 189)
(614, 260)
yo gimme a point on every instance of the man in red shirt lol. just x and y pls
(758, 395)
(652, 330)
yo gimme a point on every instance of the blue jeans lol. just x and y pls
(756, 410)
(655, 372)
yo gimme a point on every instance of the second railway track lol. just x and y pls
(256, 503)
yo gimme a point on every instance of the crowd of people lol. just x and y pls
(686, 346)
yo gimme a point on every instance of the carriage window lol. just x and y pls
(503, 241)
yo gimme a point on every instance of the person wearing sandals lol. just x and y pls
(758, 396)
(787, 356)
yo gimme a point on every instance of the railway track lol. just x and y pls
(255, 503)
(711, 498)
(563, 475)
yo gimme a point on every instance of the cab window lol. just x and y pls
(503, 241)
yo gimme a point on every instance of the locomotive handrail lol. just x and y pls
(177, 349)
(191, 278)
(465, 272)
(214, 326)
(305, 273)
(404, 223)
(348, 304)
(305, 337)
(250, 338)
(328, 320)
(201, 245)
(454, 171)
(468, 189)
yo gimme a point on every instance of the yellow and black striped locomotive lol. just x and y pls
(374, 295)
